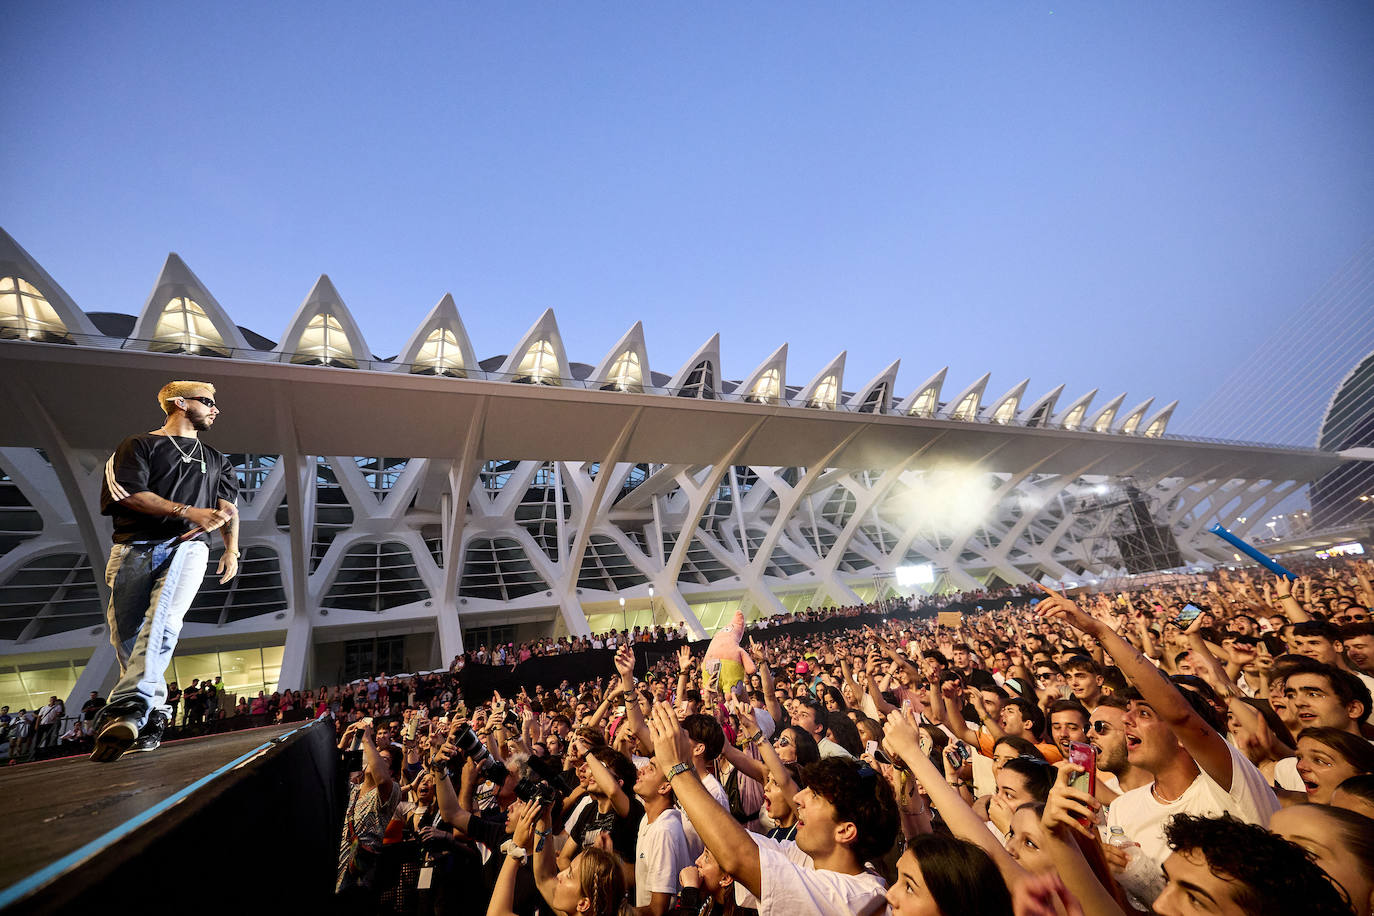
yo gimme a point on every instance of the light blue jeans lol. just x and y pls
(151, 587)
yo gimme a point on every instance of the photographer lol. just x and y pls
(429, 846)
(490, 828)
(371, 802)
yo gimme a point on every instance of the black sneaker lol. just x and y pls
(114, 738)
(150, 736)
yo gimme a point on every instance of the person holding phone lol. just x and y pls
(1195, 770)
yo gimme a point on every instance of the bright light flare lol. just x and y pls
(916, 574)
(949, 500)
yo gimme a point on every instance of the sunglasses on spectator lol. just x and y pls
(1101, 728)
(208, 402)
(783, 741)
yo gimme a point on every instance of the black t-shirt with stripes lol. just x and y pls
(157, 464)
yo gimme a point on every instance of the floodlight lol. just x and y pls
(919, 574)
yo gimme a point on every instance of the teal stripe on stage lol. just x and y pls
(21, 889)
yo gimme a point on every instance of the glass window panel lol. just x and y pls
(625, 373)
(34, 684)
(184, 327)
(440, 355)
(12, 693)
(826, 394)
(924, 405)
(242, 671)
(325, 343)
(271, 665)
(766, 388)
(26, 313)
(539, 366)
(192, 666)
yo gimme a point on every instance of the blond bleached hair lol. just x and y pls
(180, 390)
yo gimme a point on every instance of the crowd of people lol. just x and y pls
(1196, 747)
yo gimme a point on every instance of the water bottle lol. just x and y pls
(1117, 837)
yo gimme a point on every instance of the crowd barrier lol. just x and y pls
(479, 681)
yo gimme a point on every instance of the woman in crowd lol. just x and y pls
(944, 876)
(1327, 757)
(592, 885)
(1259, 733)
(1341, 841)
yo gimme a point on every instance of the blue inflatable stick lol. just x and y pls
(1251, 552)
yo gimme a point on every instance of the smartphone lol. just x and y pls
(411, 727)
(871, 749)
(1085, 756)
(959, 754)
(1186, 616)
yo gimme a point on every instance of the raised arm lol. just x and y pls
(725, 837)
(1062, 811)
(625, 665)
(608, 784)
(901, 736)
(1207, 748)
(770, 699)
(1283, 591)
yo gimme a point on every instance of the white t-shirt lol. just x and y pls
(1286, 775)
(660, 854)
(829, 748)
(1142, 818)
(790, 885)
(694, 843)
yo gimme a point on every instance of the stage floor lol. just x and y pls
(54, 808)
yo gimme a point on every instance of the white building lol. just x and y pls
(393, 509)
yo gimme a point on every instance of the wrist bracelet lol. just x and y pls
(181, 510)
(678, 770)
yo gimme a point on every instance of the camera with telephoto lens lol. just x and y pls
(471, 747)
(537, 791)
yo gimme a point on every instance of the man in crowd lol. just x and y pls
(1084, 677)
(1195, 770)
(1322, 694)
(661, 847)
(1227, 867)
(847, 817)
(91, 708)
(1107, 735)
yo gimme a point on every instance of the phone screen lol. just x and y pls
(1186, 616)
(1084, 756)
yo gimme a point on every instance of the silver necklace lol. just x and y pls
(197, 450)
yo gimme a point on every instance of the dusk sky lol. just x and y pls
(1123, 196)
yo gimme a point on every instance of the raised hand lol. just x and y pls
(1066, 805)
(747, 719)
(625, 662)
(1043, 895)
(1057, 607)
(902, 735)
(684, 659)
(672, 745)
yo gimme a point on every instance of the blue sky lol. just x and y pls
(1116, 195)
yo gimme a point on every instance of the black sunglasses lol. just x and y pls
(1101, 728)
(208, 402)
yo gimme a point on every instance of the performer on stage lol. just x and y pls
(166, 490)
